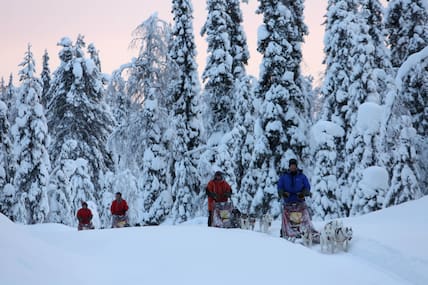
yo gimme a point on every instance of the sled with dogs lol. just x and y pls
(225, 215)
(297, 227)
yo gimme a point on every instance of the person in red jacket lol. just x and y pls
(118, 209)
(218, 190)
(84, 215)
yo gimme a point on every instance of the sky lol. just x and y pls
(388, 247)
(109, 25)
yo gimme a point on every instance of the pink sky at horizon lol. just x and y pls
(42, 23)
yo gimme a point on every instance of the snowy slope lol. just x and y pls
(389, 247)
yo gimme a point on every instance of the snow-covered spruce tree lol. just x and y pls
(372, 13)
(371, 189)
(78, 117)
(284, 110)
(153, 161)
(144, 135)
(406, 22)
(412, 78)
(7, 168)
(10, 100)
(238, 40)
(59, 195)
(2, 89)
(241, 135)
(404, 182)
(45, 76)
(217, 75)
(118, 99)
(365, 153)
(361, 149)
(349, 82)
(186, 127)
(94, 55)
(342, 30)
(325, 138)
(31, 139)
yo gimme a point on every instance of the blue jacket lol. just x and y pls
(293, 184)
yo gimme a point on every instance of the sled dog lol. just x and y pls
(335, 236)
(265, 223)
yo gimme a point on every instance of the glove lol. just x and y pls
(286, 195)
(301, 195)
(228, 194)
(214, 196)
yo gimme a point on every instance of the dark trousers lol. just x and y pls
(210, 218)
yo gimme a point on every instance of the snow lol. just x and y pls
(410, 62)
(322, 131)
(389, 247)
(375, 177)
(369, 117)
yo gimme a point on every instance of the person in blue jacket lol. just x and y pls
(293, 187)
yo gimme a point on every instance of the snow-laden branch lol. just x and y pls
(410, 62)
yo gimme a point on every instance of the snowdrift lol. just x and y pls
(389, 247)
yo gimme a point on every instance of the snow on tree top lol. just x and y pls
(65, 42)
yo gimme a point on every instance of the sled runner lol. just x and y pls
(120, 221)
(296, 224)
(225, 215)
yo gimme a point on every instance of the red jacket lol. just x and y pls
(220, 188)
(119, 207)
(84, 215)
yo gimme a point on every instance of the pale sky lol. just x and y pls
(109, 24)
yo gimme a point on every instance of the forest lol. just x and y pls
(156, 133)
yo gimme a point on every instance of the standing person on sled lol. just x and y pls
(84, 216)
(218, 190)
(293, 187)
(118, 209)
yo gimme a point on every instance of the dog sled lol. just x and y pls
(120, 221)
(297, 225)
(84, 227)
(225, 215)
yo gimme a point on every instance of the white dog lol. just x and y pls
(343, 237)
(335, 236)
(265, 223)
(307, 236)
(252, 220)
(245, 222)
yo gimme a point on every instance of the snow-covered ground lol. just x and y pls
(389, 247)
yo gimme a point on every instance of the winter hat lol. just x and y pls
(292, 161)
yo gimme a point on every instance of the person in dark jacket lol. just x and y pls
(218, 190)
(84, 215)
(118, 209)
(293, 187)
